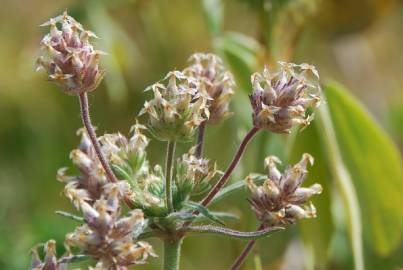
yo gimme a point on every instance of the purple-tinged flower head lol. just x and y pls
(50, 261)
(216, 80)
(280, 100)
(281, 199)
(177, 109)
(68, 56)
(88, 186)
(106, 236)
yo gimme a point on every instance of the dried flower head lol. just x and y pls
(107, 237)
(176, 109)
(68, 56)
(215, 80)
(280, 100)
(281, 199)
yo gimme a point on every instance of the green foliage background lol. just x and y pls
(357, 43)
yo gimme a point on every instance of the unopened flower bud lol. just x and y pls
(270, 163)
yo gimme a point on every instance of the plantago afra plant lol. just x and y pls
(124, 199)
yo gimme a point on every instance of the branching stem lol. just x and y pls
(223, 180)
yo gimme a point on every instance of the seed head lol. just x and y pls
(280, 100)
(215, 80)
(68, 56)
(281, 199)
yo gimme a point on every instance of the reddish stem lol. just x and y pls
(245, 252)
(85, 115)
(223, 180)
(200, 140)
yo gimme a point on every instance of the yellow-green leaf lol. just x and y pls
(375, 166)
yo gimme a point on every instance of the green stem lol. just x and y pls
(168, 174)
(172, 250)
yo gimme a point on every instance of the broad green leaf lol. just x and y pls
(375, 166)
(213, 11)
(316, 233)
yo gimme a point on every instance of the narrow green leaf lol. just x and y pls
(70, 216)
(204, 211)
(235, 187)
(224, 216)
(213, 12)
(375, 166)
(344, 181)
(232, 233)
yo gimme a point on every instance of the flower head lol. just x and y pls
(106, 236)
(193, 174)
(69, 57)
(177, 108)
(281, 199)
(215, 80)
(280, 100)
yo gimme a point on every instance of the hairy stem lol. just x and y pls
(200, 140)
(245, 252)
(172, 252)
(223, 231)
(85, 115)
(169, 162)
(223, 180)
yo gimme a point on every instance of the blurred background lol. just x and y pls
(357, 43)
